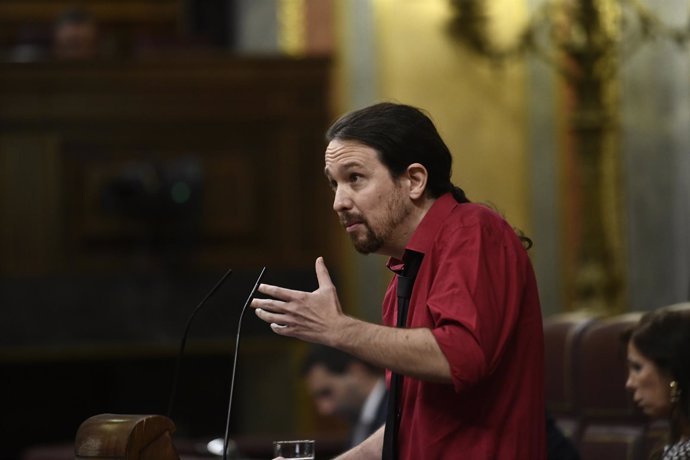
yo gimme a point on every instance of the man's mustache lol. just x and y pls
(349, 218)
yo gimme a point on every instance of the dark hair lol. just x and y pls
(663, 336)
(334, 360)
(402, 135)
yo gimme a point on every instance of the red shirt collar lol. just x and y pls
(424, 234)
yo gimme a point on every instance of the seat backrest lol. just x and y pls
(682, 306)
(601, 371)
(612, 442)
(562, 335)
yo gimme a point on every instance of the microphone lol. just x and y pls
(226, 438)
(176, 376)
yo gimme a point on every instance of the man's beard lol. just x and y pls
(372, 240)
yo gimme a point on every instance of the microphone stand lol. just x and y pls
(183, 342)
(226, 438)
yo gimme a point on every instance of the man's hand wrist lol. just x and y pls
(343, 332)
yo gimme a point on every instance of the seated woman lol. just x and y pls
(659, 374)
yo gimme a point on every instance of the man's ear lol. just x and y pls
(418, 176)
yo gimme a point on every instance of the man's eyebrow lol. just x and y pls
(344, 167)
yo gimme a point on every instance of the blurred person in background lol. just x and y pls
(659, 375)
(75, 35)
(348, 388)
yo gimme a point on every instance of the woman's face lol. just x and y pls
(649, 386)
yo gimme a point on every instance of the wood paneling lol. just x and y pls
(134, 11)
(252, 129)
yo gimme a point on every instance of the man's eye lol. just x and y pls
(355, 177)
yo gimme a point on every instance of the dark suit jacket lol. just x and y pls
(558, 446)
(378, 421)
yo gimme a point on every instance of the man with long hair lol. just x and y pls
(462, 338)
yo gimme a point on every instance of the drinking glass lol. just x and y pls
(296, 450)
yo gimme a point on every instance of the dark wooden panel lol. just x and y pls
(26, 26)
(247, 132)
(23, 11)
(188, 91)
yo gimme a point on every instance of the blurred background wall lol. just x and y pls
(155, 144)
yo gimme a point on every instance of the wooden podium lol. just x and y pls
(126, 437)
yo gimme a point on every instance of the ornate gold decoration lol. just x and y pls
(585, 42)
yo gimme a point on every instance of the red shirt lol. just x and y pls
(477, 293)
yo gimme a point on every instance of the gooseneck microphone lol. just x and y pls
(226, 438)
(183, 342)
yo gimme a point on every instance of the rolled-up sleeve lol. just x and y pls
(474, 301)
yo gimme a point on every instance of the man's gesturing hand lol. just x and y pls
(310, 316)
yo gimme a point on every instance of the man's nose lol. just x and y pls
(341, 201)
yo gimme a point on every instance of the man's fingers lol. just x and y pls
(278, 292)
(279, 328)
(322, 275)
(274, 321)
(271, 317)
(273, 305)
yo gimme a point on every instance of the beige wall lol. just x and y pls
(479, 108)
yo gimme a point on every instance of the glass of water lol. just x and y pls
(296, 450)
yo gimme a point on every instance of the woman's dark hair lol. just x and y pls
(663, 336)
(402, 135)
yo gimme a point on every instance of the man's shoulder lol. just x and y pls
(472, 223)
(474, 215)
(450, 223)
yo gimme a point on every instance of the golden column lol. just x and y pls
(292, 27)
(585, 42)
(595, 277)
